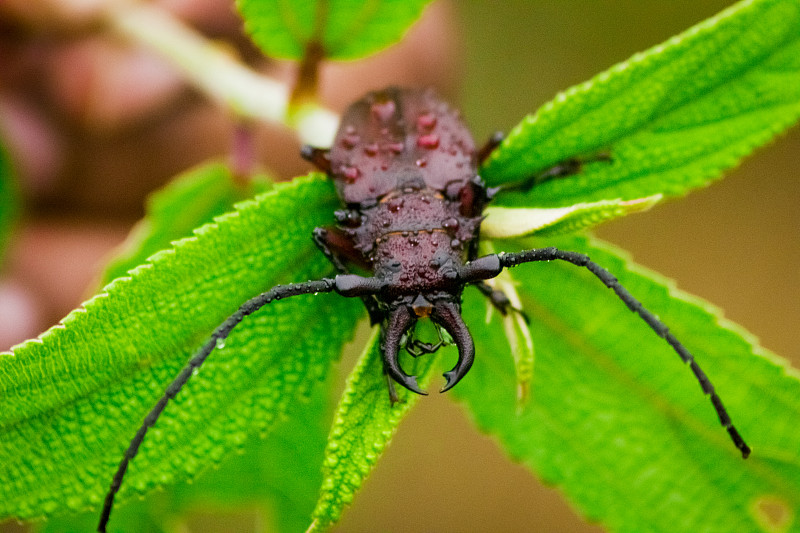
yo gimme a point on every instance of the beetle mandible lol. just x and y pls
(406, 169)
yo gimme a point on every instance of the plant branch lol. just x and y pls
(224, 79)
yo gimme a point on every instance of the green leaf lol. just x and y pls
(672, 118)
(515, 326)
(346, 29)
(273, 481)
(9, 201)
(507, 222)
(71, 400)
(619, 423)
(190, 200)
(363, 426)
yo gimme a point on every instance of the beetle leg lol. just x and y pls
(572, 166)
(417, 348)
(319, 157)
(338, 249)
(491, 143)
(448, 315)
(500, 301)
(400, 320)
(562, 169)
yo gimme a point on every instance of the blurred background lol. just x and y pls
(94, 124)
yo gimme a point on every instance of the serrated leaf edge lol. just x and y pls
(154, 260)
(604, 77)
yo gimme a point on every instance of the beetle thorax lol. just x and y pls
(418, 239)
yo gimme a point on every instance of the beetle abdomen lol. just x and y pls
(398, 138)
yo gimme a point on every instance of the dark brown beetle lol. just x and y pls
(405, 166)
(406, 169)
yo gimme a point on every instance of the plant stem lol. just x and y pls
(248, 94)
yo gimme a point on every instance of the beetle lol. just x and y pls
(405, 167)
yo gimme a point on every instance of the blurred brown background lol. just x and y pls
(91, 139)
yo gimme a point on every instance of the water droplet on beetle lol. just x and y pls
(395, 204)
(450, 223)
(395, 148)
(383, 111)
(350, 173)
(350, 140)
(430, 141)
(426, 121)
(422, 163)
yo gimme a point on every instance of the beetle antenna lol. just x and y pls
(220, 334)
(582, 260)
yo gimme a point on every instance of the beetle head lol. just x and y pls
(444, 310)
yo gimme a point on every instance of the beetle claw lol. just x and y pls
(409, 382)
(400, 320)
(448, 315)
(452, 377)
